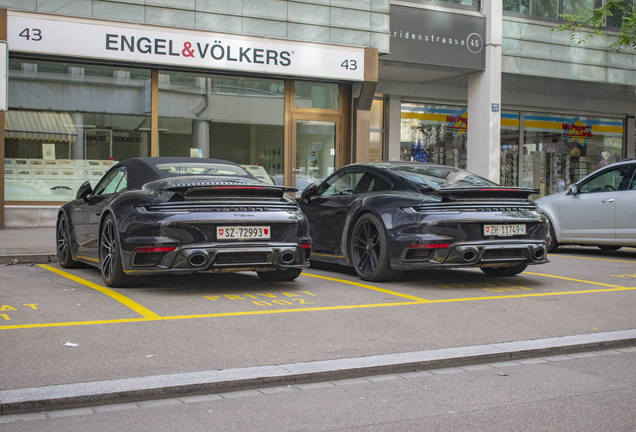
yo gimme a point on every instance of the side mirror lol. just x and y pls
(574, 189)
(309, 191)
(84, 191)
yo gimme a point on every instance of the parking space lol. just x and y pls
(46, 295)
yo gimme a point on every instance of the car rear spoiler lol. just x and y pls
(207, 189)
(494, 192)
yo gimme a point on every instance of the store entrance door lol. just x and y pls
(316, 141)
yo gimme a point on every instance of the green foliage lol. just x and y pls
(592, 22)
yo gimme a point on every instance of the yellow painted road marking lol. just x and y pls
(144, 312)
(589, 258)
(579, 280)
(421, 300)
(151, 316)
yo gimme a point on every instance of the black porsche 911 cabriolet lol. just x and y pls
(387, 217)
(157, 215)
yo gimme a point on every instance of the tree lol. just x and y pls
(594, 22)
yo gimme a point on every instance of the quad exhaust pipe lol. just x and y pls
(538, 253)
(198, 258)
(469, 254)
(287, 257)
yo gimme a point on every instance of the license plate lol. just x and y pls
(504, 230)
(243, 233)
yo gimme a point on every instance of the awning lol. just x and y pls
(40, 125)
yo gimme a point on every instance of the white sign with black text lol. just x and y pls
(162, 46)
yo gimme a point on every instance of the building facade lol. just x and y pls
(273, 85)
(537, 112)
(294, 89)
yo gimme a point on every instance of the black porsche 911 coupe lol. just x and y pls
(388, 217)
(159, 215)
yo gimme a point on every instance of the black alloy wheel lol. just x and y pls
(110, 255)
(370, 250)
(504, 271)
(279, 275)
(63, 238)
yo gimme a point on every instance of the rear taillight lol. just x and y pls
(155, 249)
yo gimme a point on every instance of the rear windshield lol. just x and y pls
(194, 168)
(438, 177)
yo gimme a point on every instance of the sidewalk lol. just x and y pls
(27, 245)
(229, 380)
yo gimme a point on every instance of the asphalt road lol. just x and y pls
(206, 322)
(583, 392)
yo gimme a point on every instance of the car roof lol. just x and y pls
(142, 170)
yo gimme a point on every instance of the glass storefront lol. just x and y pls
(223, 117)
(434, 133)
(376, 138)
(547, 152)
(559, 150)
(69, 123)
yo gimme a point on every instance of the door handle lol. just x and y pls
(609, 200)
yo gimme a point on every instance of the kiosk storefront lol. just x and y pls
(84, 94)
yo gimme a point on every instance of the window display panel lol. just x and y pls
(434, 133)
(509, 156)
(231, 118)
(376, 142)
(560, 150)
(68, 123)
(316, 95)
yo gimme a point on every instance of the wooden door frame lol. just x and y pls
(340, 117)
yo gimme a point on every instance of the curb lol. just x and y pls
(217, 381)
(43, 258)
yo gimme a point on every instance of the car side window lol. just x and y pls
(372, 183)
(116, 181)
(343, 184)
(605, 181)
(632, 185)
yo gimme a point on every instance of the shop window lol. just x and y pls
(434, 133)
(316, 95)
(509, 156)
(223, 117)
(376, 142)
(68, 123)
(559, 150)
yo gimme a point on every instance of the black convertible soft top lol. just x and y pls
(142, 170)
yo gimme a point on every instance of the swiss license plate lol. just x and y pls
(243, 233)
(504, 230)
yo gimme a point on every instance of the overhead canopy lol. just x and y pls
(40, 125)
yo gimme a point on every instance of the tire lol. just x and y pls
(609, 248)
(63, 241)
(369, 249)
(554, 245)
(110, 255)
(504, 271)
(279, 275)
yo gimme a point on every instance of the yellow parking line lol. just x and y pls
(588, 258)
(419, 299)
(75, 323)
(144, 312)
(579, 280)
(267, 312)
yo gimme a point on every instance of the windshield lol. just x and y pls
(438, 177)
(195, 168)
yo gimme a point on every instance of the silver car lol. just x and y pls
(599, 210)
